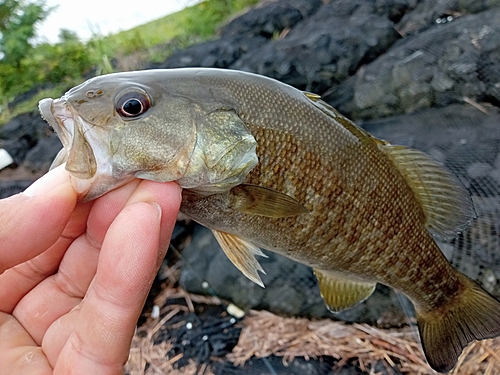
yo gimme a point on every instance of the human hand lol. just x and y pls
(74, 276)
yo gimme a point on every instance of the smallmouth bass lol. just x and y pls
(264, 165)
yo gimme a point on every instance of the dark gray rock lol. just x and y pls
(17, 149)
(430, 12)
(209, 264)
(40, 157)
(438, 67)
(303, 43)
(20, 134)
(269, 18)
(30, 141)
(27, 125)
(8, 188)
(290, 288)
(326, 48)
(243, 35)
(220, 53)
(395, 9)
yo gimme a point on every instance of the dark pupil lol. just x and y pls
(132, 107)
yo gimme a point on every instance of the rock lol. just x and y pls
(243, 35)
(40, 157)
(441, 66)
(375, 310)
(27, 125)
(220, 53)
(8, 188)
(209, 264)
(308, 45)
(269, 18)
(326, 48)
(20, 134)
(29, 139)
(429, 12)
(17, 149)
(290, 287)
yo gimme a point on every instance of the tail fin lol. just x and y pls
(474, 315)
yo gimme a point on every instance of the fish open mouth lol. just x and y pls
(77, 152)
(63, 124)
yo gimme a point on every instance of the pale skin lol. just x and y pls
(74, 276)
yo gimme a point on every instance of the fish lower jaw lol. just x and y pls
(81, 186)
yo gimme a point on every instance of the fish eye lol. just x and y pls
(133, 104)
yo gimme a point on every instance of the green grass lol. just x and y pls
(32, 103)
(128, 50)
(155, 40)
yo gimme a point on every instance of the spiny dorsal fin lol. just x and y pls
(314, 97)
(447, 205)
(258, 200)
(242, 254)
(445, 332)
(340, 293)
(328, 110)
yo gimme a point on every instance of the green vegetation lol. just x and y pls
(50, 69)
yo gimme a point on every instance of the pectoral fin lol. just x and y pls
(242, 254)
(340, 293)
(258, 200)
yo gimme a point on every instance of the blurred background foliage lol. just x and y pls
(31, 68)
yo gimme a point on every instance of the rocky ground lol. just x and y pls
(420, 73)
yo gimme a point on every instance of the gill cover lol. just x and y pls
(225, 152)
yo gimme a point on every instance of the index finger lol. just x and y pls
(127, 267)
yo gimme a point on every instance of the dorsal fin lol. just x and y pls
(446, 203)
(328, 110)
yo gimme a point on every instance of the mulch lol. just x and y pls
(195, 334)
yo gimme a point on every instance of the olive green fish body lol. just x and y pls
(267, 166)
(364, 220)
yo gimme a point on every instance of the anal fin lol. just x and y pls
(242, 254)
(340, 293)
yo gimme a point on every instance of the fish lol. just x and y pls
(267, 166)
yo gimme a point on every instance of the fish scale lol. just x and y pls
(264, 165)
(336, 243)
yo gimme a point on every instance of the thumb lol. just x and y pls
(30, 222)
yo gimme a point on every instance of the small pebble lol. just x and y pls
(5, 158)
(235, 311)
(155, 312)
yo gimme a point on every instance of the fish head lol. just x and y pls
(122, 126)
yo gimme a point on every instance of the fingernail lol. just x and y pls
(158, 208)
(48, 181)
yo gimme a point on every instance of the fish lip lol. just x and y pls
(66, 122)
(60, 117)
